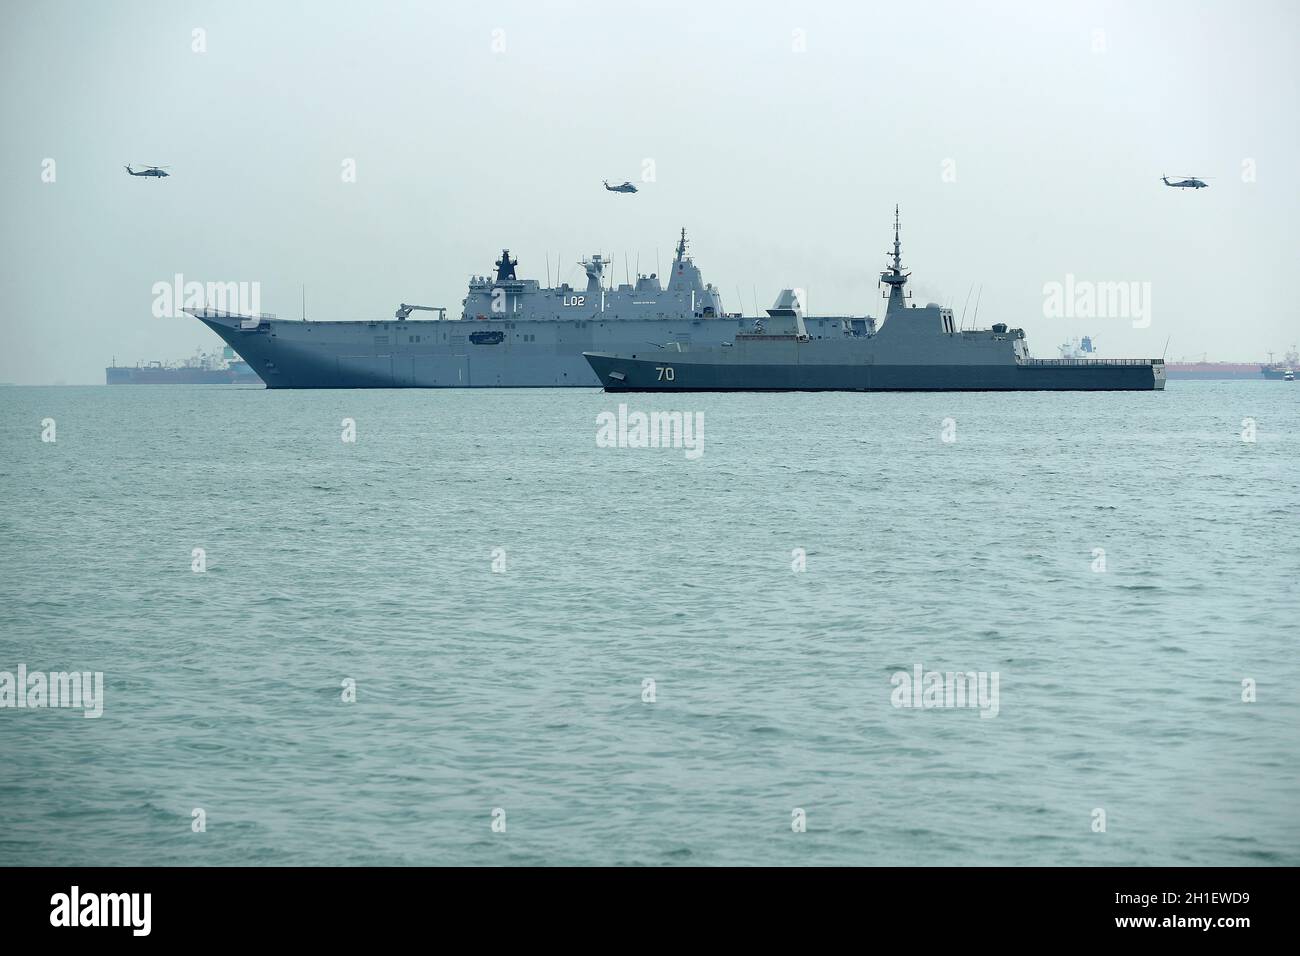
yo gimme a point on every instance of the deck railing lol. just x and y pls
(1089, 362)
(224, 314)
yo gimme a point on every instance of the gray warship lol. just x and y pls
(511, 332)
(915, 349)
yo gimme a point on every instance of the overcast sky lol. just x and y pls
(1024, 141)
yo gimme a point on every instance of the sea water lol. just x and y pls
(453, 627)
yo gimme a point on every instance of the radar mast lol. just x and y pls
(506, 267)
(894, 276)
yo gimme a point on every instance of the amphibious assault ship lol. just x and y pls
(511, 332)
(915, 349)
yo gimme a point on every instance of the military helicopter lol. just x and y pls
(625, 188)
(156, 171)
(1191, 182)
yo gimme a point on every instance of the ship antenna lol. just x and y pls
(894, 276)
(548, 271)
(963, 308)
(979, 295)
(898, 261)
(681, 246)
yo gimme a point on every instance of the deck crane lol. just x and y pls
(405, 310)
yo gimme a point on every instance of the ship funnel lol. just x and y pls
(787, 314)
(788, 301)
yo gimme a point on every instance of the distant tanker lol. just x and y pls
(1221, 371)
(203, 368)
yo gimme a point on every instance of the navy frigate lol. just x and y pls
(511, 332)
(914, 349)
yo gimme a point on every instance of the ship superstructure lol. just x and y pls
(1278, 370)
(507, 296)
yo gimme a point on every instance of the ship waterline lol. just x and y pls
(791, 374)
(444, 354)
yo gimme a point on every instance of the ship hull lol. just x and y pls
(1212, 371)
(626, 374)
(144, 375)
(443, 354)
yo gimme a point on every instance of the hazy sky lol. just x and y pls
(1021, 143)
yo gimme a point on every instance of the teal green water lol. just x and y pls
(523, 690)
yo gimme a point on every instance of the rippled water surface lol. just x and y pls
(523, 690)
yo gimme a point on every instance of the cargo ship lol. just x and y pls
(1224, 371)
(1281, 371)
(202, 368)
(1214, 371)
